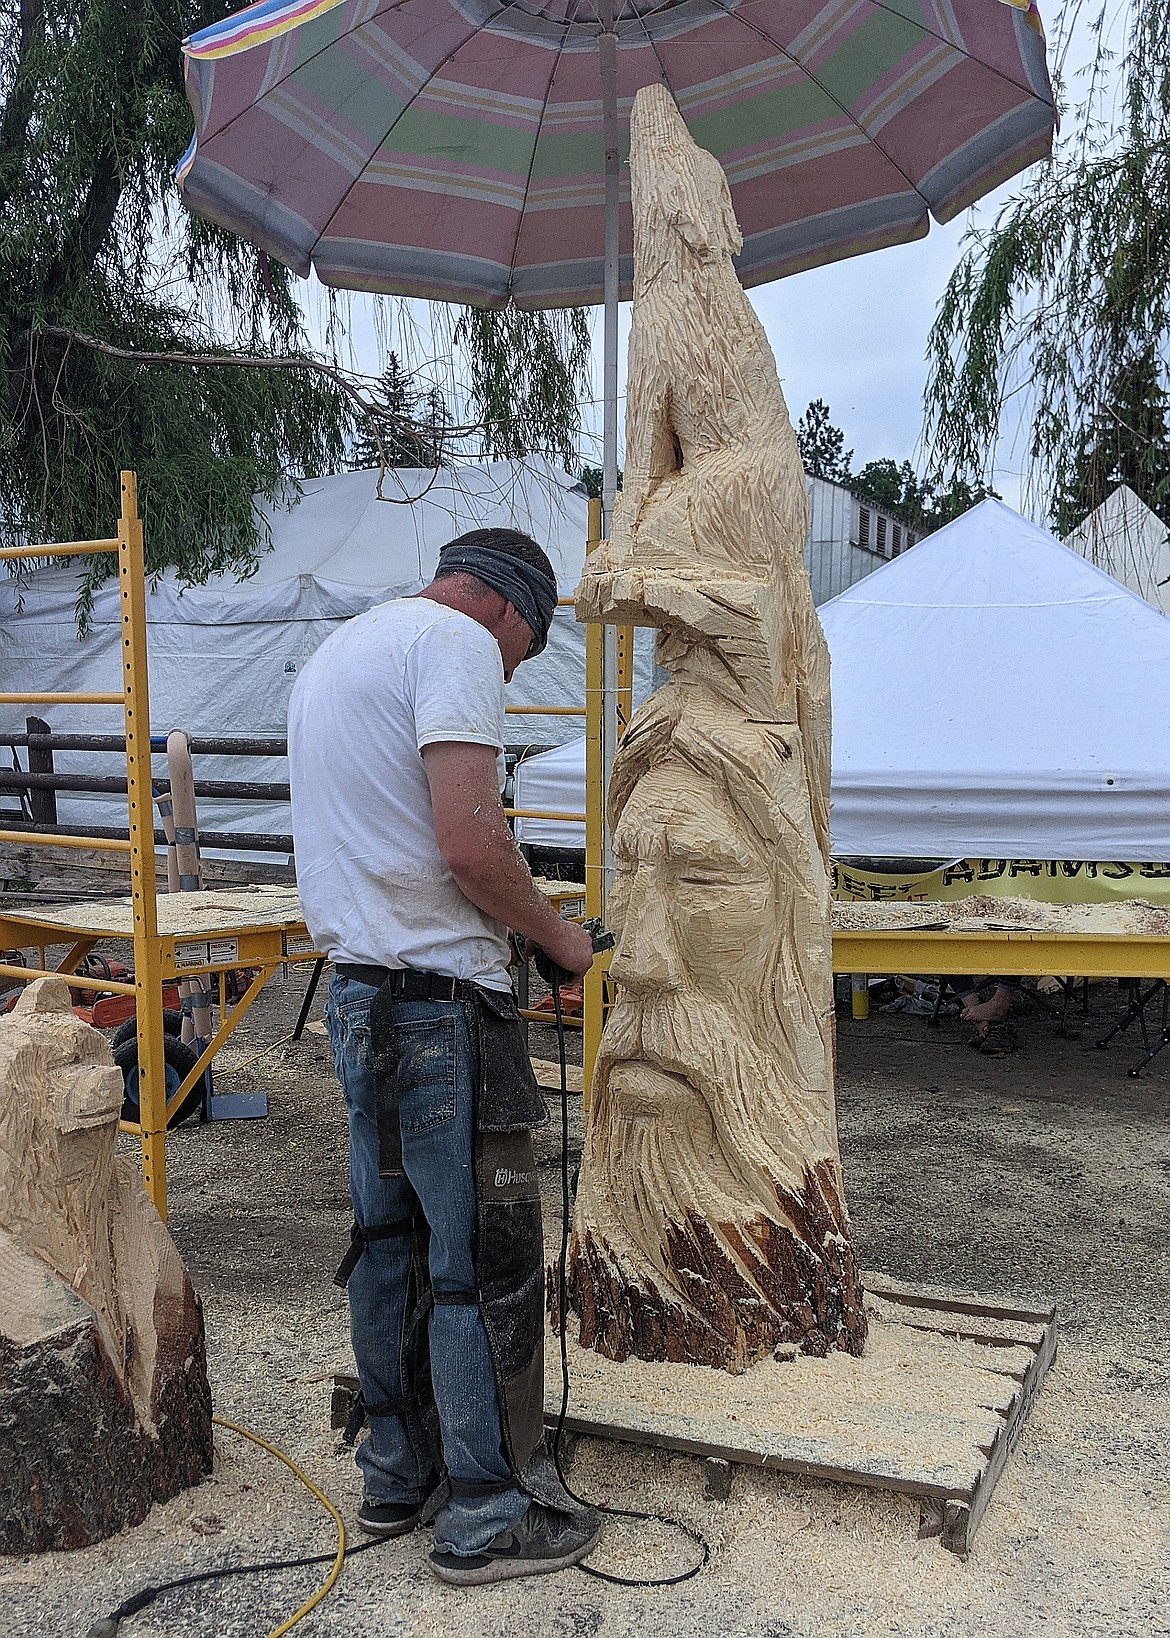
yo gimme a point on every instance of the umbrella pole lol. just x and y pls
(607, 53)
(607, 48)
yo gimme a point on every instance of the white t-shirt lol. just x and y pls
(373, 885)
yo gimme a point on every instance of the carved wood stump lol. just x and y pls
(710, 1223)
(104, 1402)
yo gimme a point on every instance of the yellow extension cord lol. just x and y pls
(278, 1632)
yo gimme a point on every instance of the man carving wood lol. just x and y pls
(710, 1223)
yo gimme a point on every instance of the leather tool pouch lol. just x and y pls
(509, 1098)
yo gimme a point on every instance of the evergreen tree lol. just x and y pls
(405, 424)
(1127, 442)
(822, 445)
(1067, 297)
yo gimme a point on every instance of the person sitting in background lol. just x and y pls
(986, 1003)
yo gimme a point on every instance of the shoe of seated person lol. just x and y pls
(389, 1518)
(541, 1541)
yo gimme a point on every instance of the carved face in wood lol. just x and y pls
(713, 1015)
(693, 891)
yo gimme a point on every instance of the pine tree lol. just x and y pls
(1127, 442)
(822, 445)
(406, 424)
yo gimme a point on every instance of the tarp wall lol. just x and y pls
(223, 656)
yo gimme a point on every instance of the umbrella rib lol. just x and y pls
(782, 51)
(642, 19)
(881, 5)
(848, 113)
(532, 159)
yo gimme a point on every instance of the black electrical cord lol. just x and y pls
(562, 1324)
(107, 1626)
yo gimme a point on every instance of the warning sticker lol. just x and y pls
(212, 952)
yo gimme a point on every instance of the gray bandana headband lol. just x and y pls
(531, 592)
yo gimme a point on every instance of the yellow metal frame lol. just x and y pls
(264, 948)
(147, 986)
(1015, 955)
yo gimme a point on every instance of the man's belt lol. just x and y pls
(404, 983)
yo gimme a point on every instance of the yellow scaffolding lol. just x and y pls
(265, 938)
(233, 939)
(597, 982)
(147, 986)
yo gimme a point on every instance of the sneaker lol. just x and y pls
(543, 1540)
(389, 1518)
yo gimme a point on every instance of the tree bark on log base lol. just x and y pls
(78, 1464)
(733, 1295)
(104, 1402)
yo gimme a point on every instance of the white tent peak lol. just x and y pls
(988, 557)
(1129, 541)
(342, 533)
(996, 695)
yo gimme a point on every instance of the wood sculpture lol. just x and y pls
(104, 1402)
(710, 1223)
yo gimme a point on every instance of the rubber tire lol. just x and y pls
(179, 1059)
(128, 1031)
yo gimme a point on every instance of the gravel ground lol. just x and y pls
(1044, 1176)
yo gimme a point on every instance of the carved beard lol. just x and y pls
(698, 1101)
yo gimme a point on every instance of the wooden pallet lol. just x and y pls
(934, 1408)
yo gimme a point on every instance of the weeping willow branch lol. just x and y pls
(1064, 304)
(374, 412)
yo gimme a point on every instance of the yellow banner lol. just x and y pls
(1054, 881)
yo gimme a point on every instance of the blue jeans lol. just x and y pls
(437, 1102)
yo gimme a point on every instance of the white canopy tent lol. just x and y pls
(994, 696)
(1127, 540)
(224, 656)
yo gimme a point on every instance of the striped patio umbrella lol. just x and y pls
(456, 149)
(470, 150)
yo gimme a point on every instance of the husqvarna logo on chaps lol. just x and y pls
(506, 1178)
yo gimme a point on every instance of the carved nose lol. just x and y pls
(647, 959)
